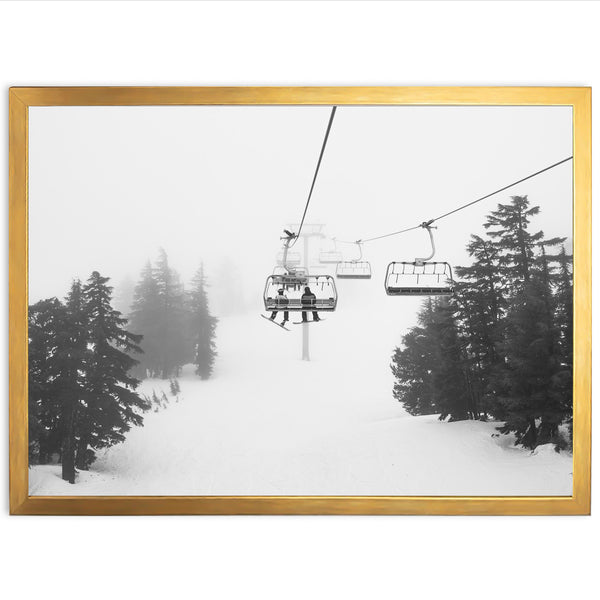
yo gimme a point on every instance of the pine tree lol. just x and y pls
(481, 303)
(430, 371)
(174, 350)
(411, 367)
(57, 354)
(451, 394)
(46, 320)
(202, 326)
(111, 404)
(155, 401)
(530, 368)
(174, 387)
(73, 368)
(164, 400)
(502, 346)
(508, 226)
(146, 315)
(564, 305)
(562, 384)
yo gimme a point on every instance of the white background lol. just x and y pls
(317, 43)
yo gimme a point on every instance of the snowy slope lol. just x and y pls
(269, 423)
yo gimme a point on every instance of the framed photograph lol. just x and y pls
(354, 300)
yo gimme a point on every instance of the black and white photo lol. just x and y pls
(301, 300)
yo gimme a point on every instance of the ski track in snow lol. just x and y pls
(268, 423)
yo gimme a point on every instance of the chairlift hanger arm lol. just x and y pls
(427, 225)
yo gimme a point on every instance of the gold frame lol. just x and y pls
(21, 98)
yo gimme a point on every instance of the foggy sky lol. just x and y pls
(110, 185)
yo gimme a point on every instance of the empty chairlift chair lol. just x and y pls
(421, 277)
(354, 269)
(328, 257)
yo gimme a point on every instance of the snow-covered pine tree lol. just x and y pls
(430, 371)
(174, 387)
(155, 401)
(112, 405)
(73, 364)
(481, 306)
(531, 364)
(202, 326)
(413, 384)
(523, 383)
(452, 397)
(508, 226)
(164, 400)
(559, 407)
(563, 382)
(146, 315)
(174, 349)
(508, 329)
(46, 321)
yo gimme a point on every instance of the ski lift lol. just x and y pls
(354, 269)
(322, 286)
(331, 256)
(422, 277)
(293, 280)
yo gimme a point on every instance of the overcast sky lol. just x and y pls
(110, 185)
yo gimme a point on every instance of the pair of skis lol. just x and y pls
(294, 322)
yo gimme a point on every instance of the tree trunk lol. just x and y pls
(548, 432)
(81, 460)
(529, 438)
(523, 249)
(68, 443)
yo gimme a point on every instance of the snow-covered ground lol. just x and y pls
(268, 423)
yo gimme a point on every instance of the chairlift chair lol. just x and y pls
(293, 280)
(354, 269)
(293, 284)
(421, 277)
(328, 257)
(331, 256)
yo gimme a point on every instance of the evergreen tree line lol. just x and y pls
(81, 394)
(85, 361)
(501, 347)
(176, 324)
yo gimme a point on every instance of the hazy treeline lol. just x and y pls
(175, 322)
(86, 359)
(502, 346)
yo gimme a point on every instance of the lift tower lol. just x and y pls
(309, 231)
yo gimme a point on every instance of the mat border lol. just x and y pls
(21, 98)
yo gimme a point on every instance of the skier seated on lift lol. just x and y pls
(309, 299)
(281, 300)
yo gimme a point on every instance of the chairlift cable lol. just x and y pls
(429, 222)
(500, 190)
(297, 235)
